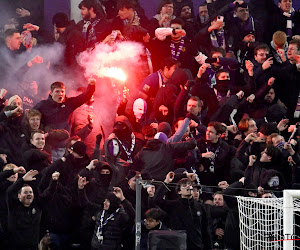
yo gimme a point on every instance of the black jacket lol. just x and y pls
(188, 215)
(55, 115)
(23, 222)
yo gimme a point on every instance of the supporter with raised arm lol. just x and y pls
(185, 213)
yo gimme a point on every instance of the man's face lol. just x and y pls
(186, 12)
(203, 11)
(176, 26)
(104, 171)
(264, 157)
(285, 5)
(218, 200)
(34, 122)
(270, 96)
(252, 128)
(193, 107)
(106, 204)
(167, 9)
(224, 76)
(242, 13)
(14, 41)
(38, 140)
(211, 134)
(168, 72)
(132, 183)
(216, 55)
(17, 102)
(85, 13)
(292, 51)
(125, 13)
(277, 139)
(151, 223)
(186, 190)
(26, 196)
(196, 194)
(250, 38)
(58, 95)
(261, 56)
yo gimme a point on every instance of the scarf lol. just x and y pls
(289, 25)
(89, 32)
(218, 39)
(164, 24)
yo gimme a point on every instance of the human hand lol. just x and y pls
(268, 63)
(287, 146)
(92, 81)
(151, 191)
(154, 125)
(202, 69)
(223, 185)
(190, 176)
(209, 155)
(22, 12)
(3, 157)
(119, 193)
(232, 128)
(169, 177)
(220, 232)
(2, 93)
(180, 32)
(251, 98)
(17, 111)
(242, 180)
(92, 164)
(90, 120)
(240, 94)
(252, 159)
(81, 182)
(250, 137)
(249, 66)
(283, 124)
(271, 81)
(19, 170)
(55, 175)
(281, 53)
(31, 27)
(29, 176)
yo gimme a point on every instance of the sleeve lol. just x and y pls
(179, 104)
(158, 199)
(179, 147)
(6, 174)
(148, 85)
(162, 33)
(180, 132)
(77, 101)
(12, 191)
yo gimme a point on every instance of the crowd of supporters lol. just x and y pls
(213, 114)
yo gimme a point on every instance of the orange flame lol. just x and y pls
(113, 72)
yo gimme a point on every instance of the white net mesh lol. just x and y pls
(261, 223)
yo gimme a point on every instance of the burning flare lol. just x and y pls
(112, 72)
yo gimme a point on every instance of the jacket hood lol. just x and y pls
(123, 119)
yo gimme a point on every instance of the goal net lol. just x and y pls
(262, 224)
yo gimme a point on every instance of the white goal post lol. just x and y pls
(270, 223)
